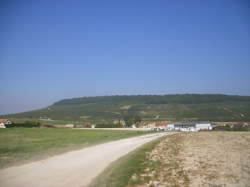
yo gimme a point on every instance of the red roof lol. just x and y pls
(3, 120)
(160, 124)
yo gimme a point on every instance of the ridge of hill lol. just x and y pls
(200, 107)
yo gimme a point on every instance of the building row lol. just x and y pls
(190, 126)
(178, 126)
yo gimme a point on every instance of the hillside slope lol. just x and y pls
(213, 107)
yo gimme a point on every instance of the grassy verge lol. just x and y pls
(163, 165)
(154, 164)
(119, 172)
(20, 145)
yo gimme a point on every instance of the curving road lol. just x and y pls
(74, 169)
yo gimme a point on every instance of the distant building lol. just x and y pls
(69, 125)
(160, 126)
(190, 126)
(150, 125)
(4, 122)
(142, 124)
(133, 126)
(153, 125)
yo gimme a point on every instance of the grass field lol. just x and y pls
(184, 160)
(20, 145)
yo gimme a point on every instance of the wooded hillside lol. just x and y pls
(212, 107)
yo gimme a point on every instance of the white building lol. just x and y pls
(69, 125)
(204, 126)
(170, 126)
(190, 126)
(4, 122)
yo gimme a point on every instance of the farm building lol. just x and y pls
(153, 125)
(160, 126)
(190, 126)
(4, 122)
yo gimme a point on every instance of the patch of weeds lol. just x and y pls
(164, 164)
(128, 168)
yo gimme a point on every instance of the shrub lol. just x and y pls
(108, 126)
(26, 124)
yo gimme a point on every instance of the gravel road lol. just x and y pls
(74, 169)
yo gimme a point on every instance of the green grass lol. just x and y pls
(141, 168)
(21, 145)
(120, 171)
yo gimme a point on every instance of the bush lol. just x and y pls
(26, 124)
(108, 126)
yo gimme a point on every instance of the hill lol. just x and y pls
(212, 107)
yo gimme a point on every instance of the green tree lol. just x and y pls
(137, 119)
(129, 120)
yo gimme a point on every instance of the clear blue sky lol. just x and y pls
(50, 50)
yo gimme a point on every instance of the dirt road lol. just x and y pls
(74, 169)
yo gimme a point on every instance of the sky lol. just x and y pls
(55, 49)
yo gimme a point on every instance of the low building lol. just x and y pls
(190, 126)
(4, 122)
(153, 125)
(160, 126)
(69, 125)
(142, 124)
(170, 126)
(150, 125)
(147, 125)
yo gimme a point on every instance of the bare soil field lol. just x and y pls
(217, 159)
(203, 159)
